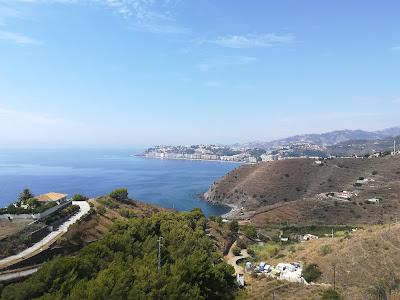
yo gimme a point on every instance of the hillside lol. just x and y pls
(289, 190)
(362, 147)
(368, 259)
(105, 211)
(163, 256)
(328, 138)
(367, 262)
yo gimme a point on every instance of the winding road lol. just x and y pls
(48, 240)
(232, 260)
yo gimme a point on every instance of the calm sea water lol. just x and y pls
(168, 183)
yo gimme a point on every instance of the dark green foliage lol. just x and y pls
(127, 213)
(108, 202)
(79, 197)
(119, 194)
(249, 231)
(241, 244)
(124, 265)
(101, 209)
(311, 272)
(234, 226)
(25, 195)
(219, 220)
(330, 294)
(236, 251)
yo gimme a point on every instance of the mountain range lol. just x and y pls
(326, 139)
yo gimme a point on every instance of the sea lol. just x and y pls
(175, 184)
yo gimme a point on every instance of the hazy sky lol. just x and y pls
(117, 73)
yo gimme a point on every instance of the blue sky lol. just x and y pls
(132, 73)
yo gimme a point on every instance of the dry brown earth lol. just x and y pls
(287, 190)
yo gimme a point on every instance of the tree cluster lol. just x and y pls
(124, 265)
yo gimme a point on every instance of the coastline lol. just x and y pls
(233, 209)
(232, 213)
(190, 159)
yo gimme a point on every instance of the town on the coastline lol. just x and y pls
(234, 154)
(254, 155)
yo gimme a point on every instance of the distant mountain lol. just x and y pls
(327, 139)
(361, 147)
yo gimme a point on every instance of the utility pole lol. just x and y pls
(273, 295)
(332, 232)
(334, 276)
(394, 147)
(159, 252)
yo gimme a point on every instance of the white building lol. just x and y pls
(252, 160)
(309, 237)
(268, 157)
(373, 200)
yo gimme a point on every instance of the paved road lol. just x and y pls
(232, 259)
(49, 239)
(17, 274)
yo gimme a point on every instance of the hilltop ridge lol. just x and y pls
(325, 139)
(295, 190)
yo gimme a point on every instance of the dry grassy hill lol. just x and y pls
(366, 262)
(287, 190)
(369, 259)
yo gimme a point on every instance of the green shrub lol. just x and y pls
(311, 272)
(127, 213)
(265, 252)
(331, 294)
(101, 209)
(249, 231)
(241, 244)
(120, 194)
(236, 251)
(324, 250)
(234, 226)
(79, 197)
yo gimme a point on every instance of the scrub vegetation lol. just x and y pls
(124, 265)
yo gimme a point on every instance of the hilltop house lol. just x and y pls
(52, 197)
